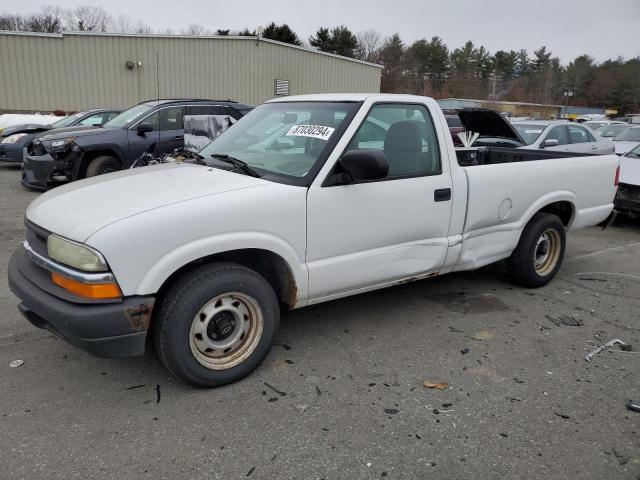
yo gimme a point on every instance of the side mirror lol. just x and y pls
(550, 142)
(96, 125)
(364, 165)
(144, 128)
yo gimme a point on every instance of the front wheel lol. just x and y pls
(102, 165)
(540, 251)
(216, 324)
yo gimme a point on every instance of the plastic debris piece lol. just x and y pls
(483, 335)
(16, 363)
(633, 406)
(438, 385)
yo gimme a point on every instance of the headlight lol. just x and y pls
(59, 145)
(75, 255)
(13, 138)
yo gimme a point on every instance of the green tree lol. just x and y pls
(322, 40)
(281, 33)
(340, 40)
(392, 57)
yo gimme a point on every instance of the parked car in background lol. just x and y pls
(627, 140)
(200, 257)
(455, 127)
(70, 155)
(611, 131)
(562, 136)
(14, 139)
(628, 197)
(11, 119)
(596, 124)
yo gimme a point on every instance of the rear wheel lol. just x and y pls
(102, 165)
(216, 324)
(539, 254)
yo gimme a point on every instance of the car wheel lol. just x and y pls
(102, 165)
(540, 251)
(216, 324)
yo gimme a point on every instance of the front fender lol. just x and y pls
(162, 269)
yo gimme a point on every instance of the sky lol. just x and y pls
(602, 29)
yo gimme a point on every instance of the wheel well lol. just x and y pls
(564, 210)
(268, 264)
(87, 157)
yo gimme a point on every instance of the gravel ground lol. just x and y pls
(341, 394)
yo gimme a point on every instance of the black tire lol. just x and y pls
(522, 262)
(182, 305)
(102, 165)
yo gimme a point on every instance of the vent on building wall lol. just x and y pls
(282, 87)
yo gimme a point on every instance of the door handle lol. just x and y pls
(442, 195)
(177, 137)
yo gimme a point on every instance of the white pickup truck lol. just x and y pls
(304, 200)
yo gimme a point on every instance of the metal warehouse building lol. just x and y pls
(74, 71)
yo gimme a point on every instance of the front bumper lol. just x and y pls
(113, 329)
(627, 199)
(11, 152)
(42, 172)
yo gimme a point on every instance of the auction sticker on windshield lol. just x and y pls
(311, 131)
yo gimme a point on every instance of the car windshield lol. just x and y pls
(68, 120)
(595, 125)
(529, 132)
(635, 153)
(128, 116)
(611, 130)
(629, 135)
(285, 138)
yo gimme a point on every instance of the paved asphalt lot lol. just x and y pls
(522, 403)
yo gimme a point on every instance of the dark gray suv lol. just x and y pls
(72, 155)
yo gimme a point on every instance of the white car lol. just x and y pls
(561, 136)
(202, 256)
(11, 119)
(628, 196)
(609, 132)
(627, 140)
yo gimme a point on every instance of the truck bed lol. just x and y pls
(473, 156)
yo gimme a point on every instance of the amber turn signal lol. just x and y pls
(88, 290)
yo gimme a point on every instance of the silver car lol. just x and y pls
(562, 136)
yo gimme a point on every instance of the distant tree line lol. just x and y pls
(424, 67)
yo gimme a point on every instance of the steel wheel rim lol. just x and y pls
(547, 252)
(226, 331)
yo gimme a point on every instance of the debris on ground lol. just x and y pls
(391, 411)
(279, 392)
(464, 351)
(562, 415)
(568, 320)
(610, 343)
(483, 336)
(301, 408)
(157, 393)
(633, 406)
(16, 363)
(438, 385)
(626, 347)
(133, 387)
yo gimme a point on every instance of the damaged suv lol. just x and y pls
(71, 155)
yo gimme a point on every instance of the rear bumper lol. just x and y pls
(39, 171)
(112, 330)
(11, 152)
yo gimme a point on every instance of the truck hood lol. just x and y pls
(79, 209)
(623, 147)
(488, 123)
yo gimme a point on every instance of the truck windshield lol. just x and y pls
(284, 138)
(528, 132)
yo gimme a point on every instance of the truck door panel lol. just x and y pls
(370, 233)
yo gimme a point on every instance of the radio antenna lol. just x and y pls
(158, 90)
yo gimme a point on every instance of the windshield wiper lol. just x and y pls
(236, 162)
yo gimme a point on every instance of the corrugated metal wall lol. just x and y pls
(77, 71)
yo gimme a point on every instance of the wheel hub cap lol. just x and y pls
(226, 330)
(547, 252)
